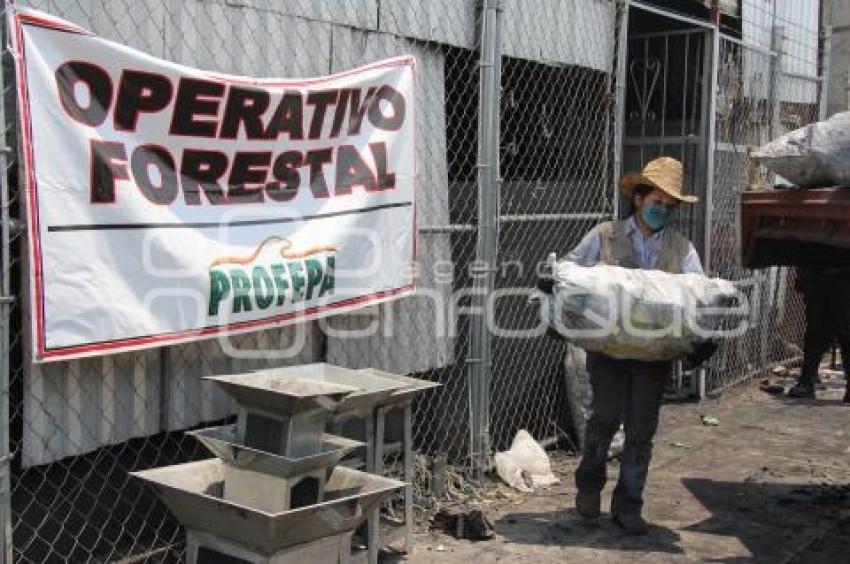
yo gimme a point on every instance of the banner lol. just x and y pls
(166, 203)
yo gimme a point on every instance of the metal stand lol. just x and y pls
(379, 534)
(205, 548)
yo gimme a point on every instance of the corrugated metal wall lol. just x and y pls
(800, 21)
(75, 407)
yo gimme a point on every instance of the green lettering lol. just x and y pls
(219, 289)
(314, 275)
(296, 273)
(328, 280)
(263, 288)
(280, 281)
(241, 290)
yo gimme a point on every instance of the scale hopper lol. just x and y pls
(281, 414)
(370, 389)
(224, 443)
(193, 493)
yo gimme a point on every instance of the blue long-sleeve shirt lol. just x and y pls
(647, 250)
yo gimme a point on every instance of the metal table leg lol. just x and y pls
(373, 449)
(408, 477)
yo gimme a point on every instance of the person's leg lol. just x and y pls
(844, 347)
(608, 380)
(816, 341)
(843, 330)
(643, 402)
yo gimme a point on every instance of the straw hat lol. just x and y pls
(664, 173)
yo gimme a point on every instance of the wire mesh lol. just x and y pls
(77, 428)
(556, 166)
(750, 100)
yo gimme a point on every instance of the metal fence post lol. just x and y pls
(712, 58)
(777, 46)
(709, 132)
(484, 267)
(620, 103)
(6, 301)
(823, 85)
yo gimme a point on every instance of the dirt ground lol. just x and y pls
(771, 483)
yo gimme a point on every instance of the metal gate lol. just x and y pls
(668, 108)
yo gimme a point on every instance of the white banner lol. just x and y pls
(166, 203)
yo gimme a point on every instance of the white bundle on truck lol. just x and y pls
(635, 314)
(817, 154)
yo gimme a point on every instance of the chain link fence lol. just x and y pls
(77, 428)
(765, 87)
(557, 151)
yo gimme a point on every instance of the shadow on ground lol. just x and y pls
(569, 529)
(776, 522)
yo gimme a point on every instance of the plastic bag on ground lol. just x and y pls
(634, 314)
(525, 465)
(815, 155)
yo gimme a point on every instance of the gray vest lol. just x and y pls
(616, 248)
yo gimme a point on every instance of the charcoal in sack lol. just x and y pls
(636, 314)
(817, 154)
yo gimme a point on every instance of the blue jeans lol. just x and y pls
(628, 392)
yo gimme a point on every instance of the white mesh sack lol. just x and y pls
(635, 314)
(817, 154)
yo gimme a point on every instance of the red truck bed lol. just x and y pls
(798, 227)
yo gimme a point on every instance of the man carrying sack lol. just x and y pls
(630, 391)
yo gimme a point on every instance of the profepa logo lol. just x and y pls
(251, 283)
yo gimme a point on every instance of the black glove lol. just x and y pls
(702, 353)
(545, 284)
(545, 281)
(553, 334)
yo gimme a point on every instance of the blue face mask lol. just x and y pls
(656, 216)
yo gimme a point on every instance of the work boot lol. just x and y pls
(588, 504)
(631, 523)
(802, 389)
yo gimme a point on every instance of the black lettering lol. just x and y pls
(386, 179)
(387, 93)
(352, 170)
(321, 99)
(196, 98)
(316, 159)
(287, 177)
(140, 92)
(358, 110)
(287, 118)
(244, 106)
(201, 171)
(249, 169)
(339, 114)
(108, 164)
(146, 156)
(100, 91)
